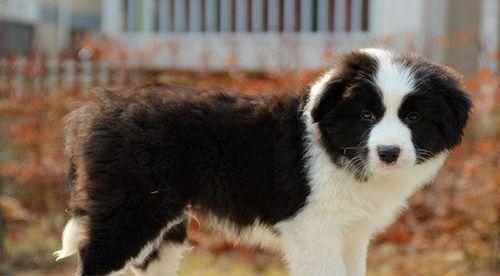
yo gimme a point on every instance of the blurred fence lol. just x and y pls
(35, 73)
(242, 15)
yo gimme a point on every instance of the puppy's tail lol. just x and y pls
(71, 237)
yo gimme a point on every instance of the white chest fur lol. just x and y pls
(334, 228)
(337, 194)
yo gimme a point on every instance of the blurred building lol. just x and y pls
(17, 19)
(257, 34)
(49, 25)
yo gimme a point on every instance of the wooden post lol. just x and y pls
(112, 16)
(490, 36)
(63, 24)
(463, 29)
(3, 233)
(3, 76)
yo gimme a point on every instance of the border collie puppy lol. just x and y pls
(314, 176)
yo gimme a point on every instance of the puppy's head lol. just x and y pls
(379, 112)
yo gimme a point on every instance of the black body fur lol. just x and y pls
(150, 155)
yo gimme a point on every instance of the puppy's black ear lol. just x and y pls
(330, 96)
(459, 104)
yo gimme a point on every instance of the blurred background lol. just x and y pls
(54, 52)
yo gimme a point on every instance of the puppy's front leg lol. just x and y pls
(356, 240)
(313, 248)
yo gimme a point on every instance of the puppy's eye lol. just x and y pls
(367, 115)
(413, 117)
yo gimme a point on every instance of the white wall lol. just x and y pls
(396, 16)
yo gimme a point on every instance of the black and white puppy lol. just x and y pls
(314, 176)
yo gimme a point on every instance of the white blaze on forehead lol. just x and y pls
(394, 82)
(392, 78)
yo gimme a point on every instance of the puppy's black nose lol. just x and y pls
(388, 154)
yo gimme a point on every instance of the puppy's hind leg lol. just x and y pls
(114, 240)
(166, 258)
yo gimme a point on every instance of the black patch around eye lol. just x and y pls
(438, 127)
(442, 102)
(426, 126)
(344, 132)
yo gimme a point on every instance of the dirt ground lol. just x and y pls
(384, 260)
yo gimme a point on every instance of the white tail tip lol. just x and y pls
(71, 236)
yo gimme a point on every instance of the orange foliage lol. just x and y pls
(460, 210)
